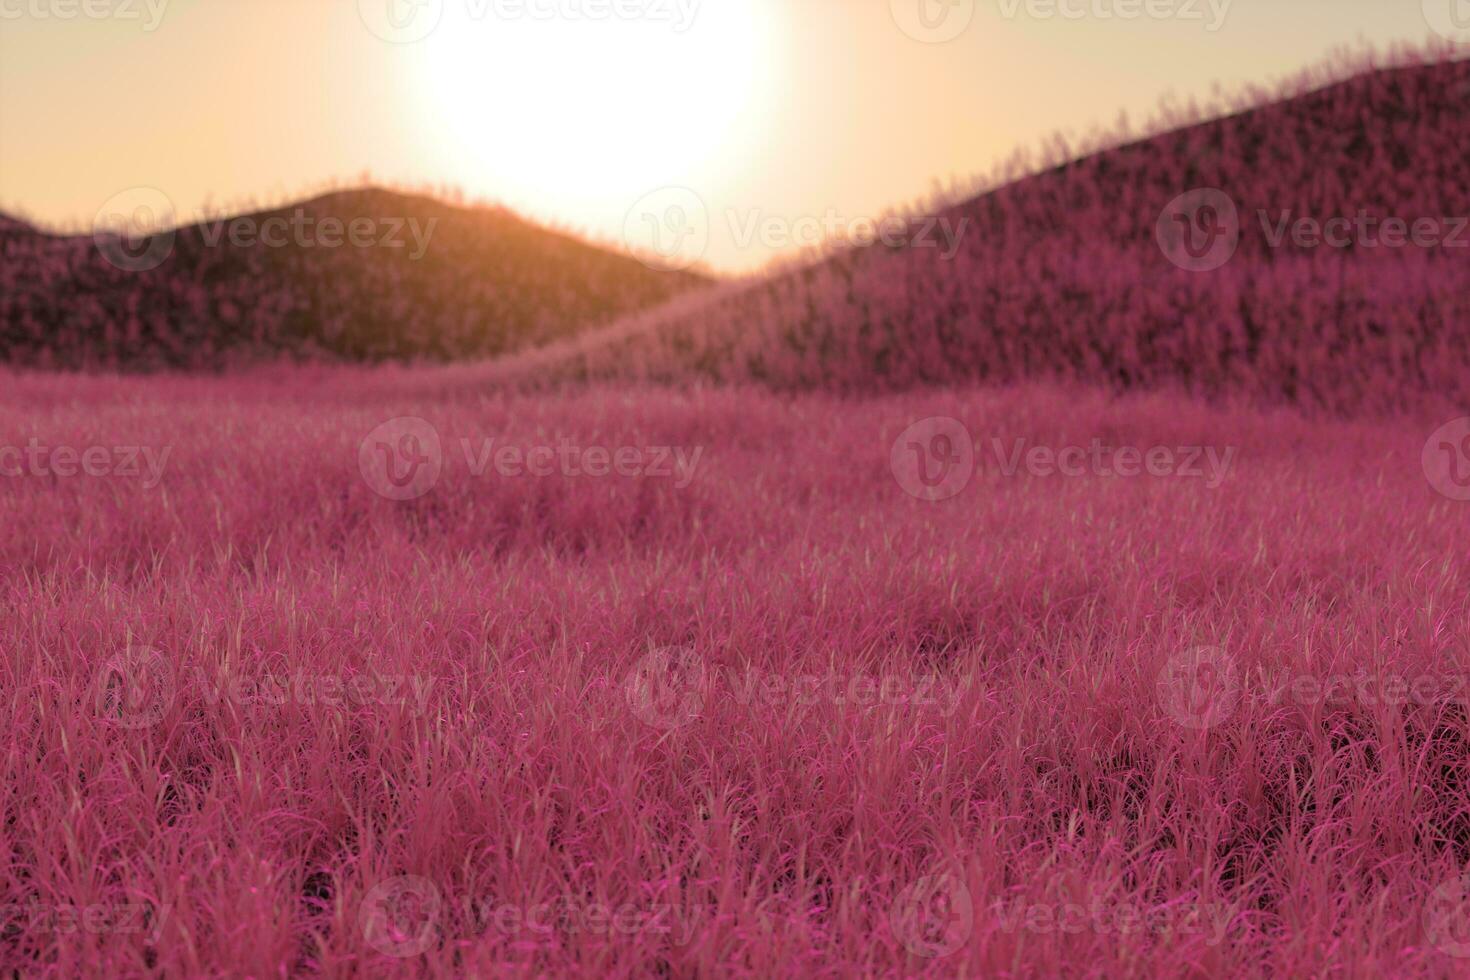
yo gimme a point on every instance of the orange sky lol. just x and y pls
(771, 119)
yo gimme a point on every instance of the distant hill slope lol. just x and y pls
(475, 283)
(1061, 275)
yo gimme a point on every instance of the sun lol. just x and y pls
(582, 117)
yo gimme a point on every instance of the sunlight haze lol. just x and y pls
(775, 119)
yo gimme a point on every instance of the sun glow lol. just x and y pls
(578, 118)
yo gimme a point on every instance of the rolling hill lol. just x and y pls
(1062, 276)
(1066, 275)
(422, 279)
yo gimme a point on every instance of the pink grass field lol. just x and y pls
(781, 718)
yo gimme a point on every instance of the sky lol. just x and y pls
(765, 123)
